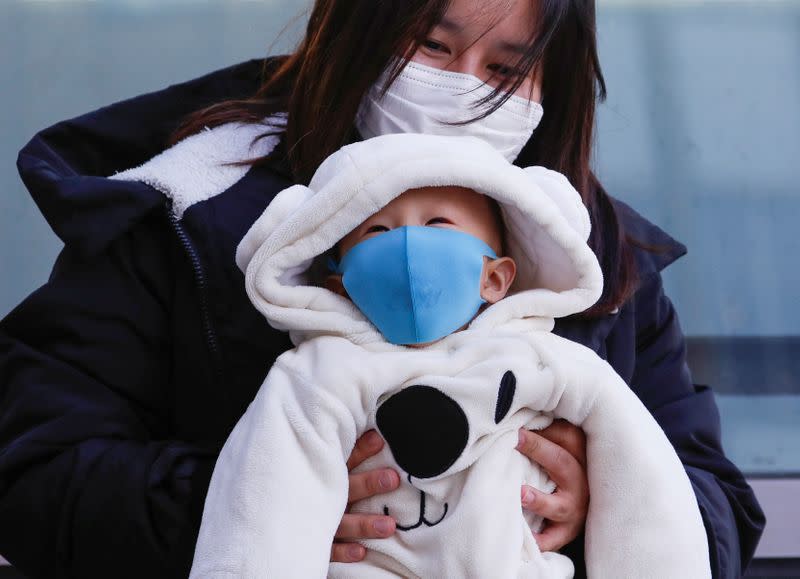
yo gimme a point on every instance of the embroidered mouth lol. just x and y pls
(422, 519)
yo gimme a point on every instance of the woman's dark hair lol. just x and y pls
(349, 44)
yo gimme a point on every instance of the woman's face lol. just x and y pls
(483, 38)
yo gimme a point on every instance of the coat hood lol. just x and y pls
(547, 227)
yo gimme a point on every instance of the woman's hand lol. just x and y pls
(362, 486)
(560, 449)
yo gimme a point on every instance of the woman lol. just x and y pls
(123, 375)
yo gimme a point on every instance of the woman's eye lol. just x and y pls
(504, 71)
(439, 221)
(376, 229)
(435, 46)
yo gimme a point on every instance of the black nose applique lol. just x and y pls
(425, 429)
(505, 396)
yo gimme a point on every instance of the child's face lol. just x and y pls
(447, 207)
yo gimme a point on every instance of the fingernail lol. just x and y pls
(354, 552)
(521, 439)
(528, 496)
(386, 481)
(373, 439)
(382, 526)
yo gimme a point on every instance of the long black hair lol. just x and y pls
(349, 43)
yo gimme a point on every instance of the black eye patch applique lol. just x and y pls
(505, 396)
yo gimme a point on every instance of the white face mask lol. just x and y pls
(423, 99)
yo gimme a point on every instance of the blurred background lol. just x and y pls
(700, 133)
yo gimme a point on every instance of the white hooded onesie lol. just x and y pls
(280, 484)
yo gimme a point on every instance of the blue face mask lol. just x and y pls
(416, 284)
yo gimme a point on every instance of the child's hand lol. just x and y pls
(364, 485)
(560, 449)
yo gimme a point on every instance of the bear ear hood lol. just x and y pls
(547, 227)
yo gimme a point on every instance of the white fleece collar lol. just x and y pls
(195, 169)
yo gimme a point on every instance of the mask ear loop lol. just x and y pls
(334, 267)
(491, 255)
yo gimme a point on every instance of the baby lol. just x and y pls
(442, 245)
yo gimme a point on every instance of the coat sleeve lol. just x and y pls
(689, 416)
(637, 481)
(279, 487)
(91, 483)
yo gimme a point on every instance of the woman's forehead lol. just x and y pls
(507, 21)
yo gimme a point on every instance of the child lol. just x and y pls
(469, 259)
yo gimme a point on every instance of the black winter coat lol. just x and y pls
(122, 376)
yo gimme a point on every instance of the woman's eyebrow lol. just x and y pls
(450, 25)
(518, 49)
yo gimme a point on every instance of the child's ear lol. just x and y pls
(498, 275)
(334, 283)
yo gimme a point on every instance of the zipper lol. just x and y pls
(202, 289)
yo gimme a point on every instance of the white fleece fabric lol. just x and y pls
(279, 487)
(197, 168)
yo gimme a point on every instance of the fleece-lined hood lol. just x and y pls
(546, 223)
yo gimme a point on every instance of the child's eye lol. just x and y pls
(376, 229)
(435, 46)
(439, 221)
